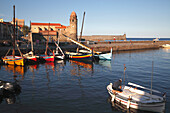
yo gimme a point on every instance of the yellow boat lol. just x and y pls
(17, 60)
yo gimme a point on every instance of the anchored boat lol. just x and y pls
(12, 59)
(166, 45)
(137, 98)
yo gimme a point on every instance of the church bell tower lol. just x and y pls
(73, 25)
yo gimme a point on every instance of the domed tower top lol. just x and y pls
(73, 14)
(73, 25)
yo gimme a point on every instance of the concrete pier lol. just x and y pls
(127, 45)
(97, 46)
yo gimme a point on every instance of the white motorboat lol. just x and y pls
(166, 45)
(134, 96)
(104, 56)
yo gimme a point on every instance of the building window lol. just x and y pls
(45, 28)
(72, 20)
(59, 29)
(34, 27)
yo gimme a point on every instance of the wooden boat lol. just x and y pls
(48, 58)
(134, 96)
(59, 56)
(12, 59)
(31, 57)
(79, 56)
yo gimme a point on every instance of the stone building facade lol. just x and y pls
(55, 31)
(6, 29)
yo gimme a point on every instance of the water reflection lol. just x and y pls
(105, 63)
(16, 70)
(167, 50)
(80, 67)
(117, 106)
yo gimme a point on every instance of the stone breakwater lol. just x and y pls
(127, 45)
(97, 46)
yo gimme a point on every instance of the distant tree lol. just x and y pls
(25, 30)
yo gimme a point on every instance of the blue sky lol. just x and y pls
(136, 18)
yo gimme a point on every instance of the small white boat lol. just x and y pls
(134, 96)
(58, 55)
(104, 56)
(166, 45)
(30, 56)
(156, 39)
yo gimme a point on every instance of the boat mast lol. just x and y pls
(79, 39)
(32, 48)
(151, 78)
(82, 27)
(47, 39)
(13, 53)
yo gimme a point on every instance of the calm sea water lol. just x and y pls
(70, 86)
(141, 39)
(150, 39)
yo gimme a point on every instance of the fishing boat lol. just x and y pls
(136, 96)
(46, 57)
(57, 55)
(31, 57)
(166, 46)
(12, 59)
(79, 56)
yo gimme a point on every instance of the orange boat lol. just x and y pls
(12, 59)
(17, 60)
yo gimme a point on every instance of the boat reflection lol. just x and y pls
(117, 106)
(16, 70)
(105, 63)
(167, 50)
(33, 67)
(80, 66)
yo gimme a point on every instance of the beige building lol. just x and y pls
(6, 29)
(1, 20)
(55, 31)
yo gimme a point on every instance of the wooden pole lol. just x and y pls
(13, 53)
(47, 39)
(81, 31)
(82, 27)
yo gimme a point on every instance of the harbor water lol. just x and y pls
(72, 86)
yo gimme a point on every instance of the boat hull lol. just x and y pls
(148, 106)
(81, 57)
(13, 61)
(48, 58)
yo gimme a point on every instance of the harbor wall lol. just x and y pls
(103, 37)
(98, 46)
